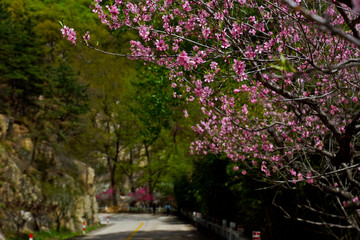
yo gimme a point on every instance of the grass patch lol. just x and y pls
(53, 235)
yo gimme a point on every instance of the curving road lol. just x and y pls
(143, 227)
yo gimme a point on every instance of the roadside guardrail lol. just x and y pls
(227, 232)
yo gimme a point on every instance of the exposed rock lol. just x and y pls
(87, 207)
(26, 143)
(22, 183)
(14, 131)
(4, 125)
(17, 192)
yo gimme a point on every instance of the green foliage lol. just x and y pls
(153, 102)
(162, 129)
(47, 98)
(64, 98)
(214, 192)
(20, 64)
(60, 196)
(55, 235)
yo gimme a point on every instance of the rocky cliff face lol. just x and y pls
(47, 191)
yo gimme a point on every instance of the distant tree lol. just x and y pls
(60, 199)
(22, 76)
(40, 212)
(108, 133)
(154, 106)
(60, 106)
(18, 209)
(48, 99)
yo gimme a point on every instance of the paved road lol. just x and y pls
(143, 227)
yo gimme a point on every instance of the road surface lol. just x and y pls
(143, 227)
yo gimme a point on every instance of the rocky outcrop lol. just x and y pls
(85, 205)
(39, 193)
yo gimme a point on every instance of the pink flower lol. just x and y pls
(118, 2)
(293, 172)
(183, 58)
(70, 33)
(225, 42)
(239, 67)
(186, 6)
(161, 46)
(309, 179)
(113, 9)
(244, 172)
(245, 88)
(244, 109)
(300, 177)
(86, 37)
(356, 199)
(213, 65)
(206, 32)
(334, 109)
(144, 32)
(186, 113)
(236, 168)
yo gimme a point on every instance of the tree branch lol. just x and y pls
(331, 225)
(347, 20)
(323, 23)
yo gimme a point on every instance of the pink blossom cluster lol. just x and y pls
(86, 37)
(142, 195)
(105, 194)
(70, 33)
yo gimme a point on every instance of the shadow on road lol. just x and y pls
(172, 220)
(143, 235)
(158, 227)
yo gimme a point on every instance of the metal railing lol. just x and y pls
(225, 232)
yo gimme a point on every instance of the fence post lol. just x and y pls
(256, 235)
(107, 219)
(84, 228)
(30, 236)
(232, 227)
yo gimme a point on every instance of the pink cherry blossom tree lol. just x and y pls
(142, 195)
(278, 82)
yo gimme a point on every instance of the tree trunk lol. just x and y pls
(112, 168)
(112, 180)
(58, 225)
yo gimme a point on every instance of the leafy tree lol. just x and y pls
(163, 132)
(17, 213)
(20, 64)
(49, 100)
(60, 199)
(60, 106)
(153, 105)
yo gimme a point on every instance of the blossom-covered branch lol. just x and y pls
(278, 82)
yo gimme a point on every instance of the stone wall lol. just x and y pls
(22, 181)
